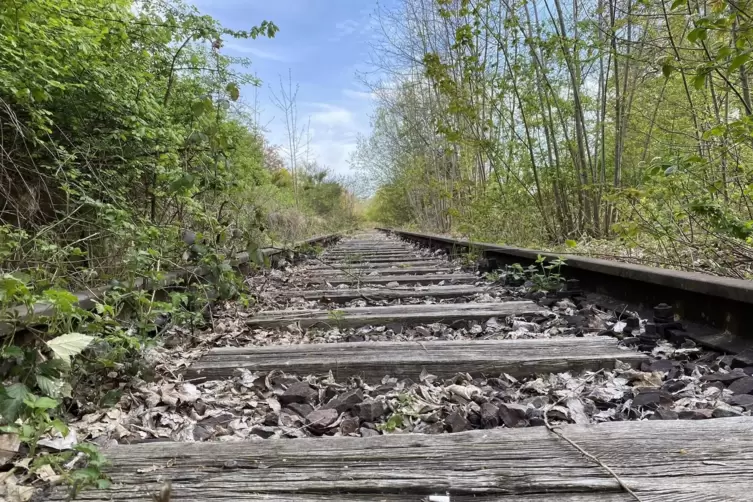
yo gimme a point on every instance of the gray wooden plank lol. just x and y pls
(358, 249)
(371, 251)
(372, 242)
(361, 316)
(385, 293)
(373, 360)
(407, 264)
(375, 249)
(400, 279)
(376, 259)
(361, 258)
(687, 460)
(338, 273)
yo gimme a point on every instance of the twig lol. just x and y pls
(592, 458)
(580, 449)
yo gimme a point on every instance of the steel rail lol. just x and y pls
(721, 303)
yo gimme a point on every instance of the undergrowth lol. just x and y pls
(76, 361)
(129, 157)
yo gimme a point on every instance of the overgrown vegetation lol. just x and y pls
(622, 125)
(126, 152)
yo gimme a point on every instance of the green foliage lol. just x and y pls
(395, 421)
(126, 152)
(492, 276)
(91, 474)
(404, 410)
(471, 257)
(544, 275)
(336, 317)
(552, 127)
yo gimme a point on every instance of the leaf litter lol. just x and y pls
(279, 405)
(681, 382)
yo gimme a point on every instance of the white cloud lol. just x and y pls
(332, 133)
(333, 154)
(331, 115)
(351, 93)
(259, 53)
(344, 29)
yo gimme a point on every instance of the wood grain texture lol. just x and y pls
(400, 279)
(342, 295)
(661, 461)
(374, 259)
(367, 249)
(317, 265)
(336, 273)
(373, 360)
(405, 314)
(374, 252)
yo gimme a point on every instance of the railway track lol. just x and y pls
(387, 372)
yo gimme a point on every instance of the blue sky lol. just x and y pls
(324, 43)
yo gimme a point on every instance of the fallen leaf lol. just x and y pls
(47, 474)
(464, 391)
(577, 412)
(274, 404)
(9, 444)
(61, 443)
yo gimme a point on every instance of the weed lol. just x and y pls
(397, 419)
(492, 276)
(80, 350)
(544, 275)
(336, 316)
(471, 257)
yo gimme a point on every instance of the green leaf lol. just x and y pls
(12, 352)
(697, 34)
(197, 108)
(70, 345)
(667, 69)
(49, 386)
(233, 91)
(111, 398)
(395, 421)
(12, 401)
(677, 3)
(723, 53)
(571, 243)
(738, 61)
(201, 107)
(103, 484)
(699, 80)
(714, 132)
(183, 184)
(63, 300)
(41, 403)
(53, 368)
(60, 426)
